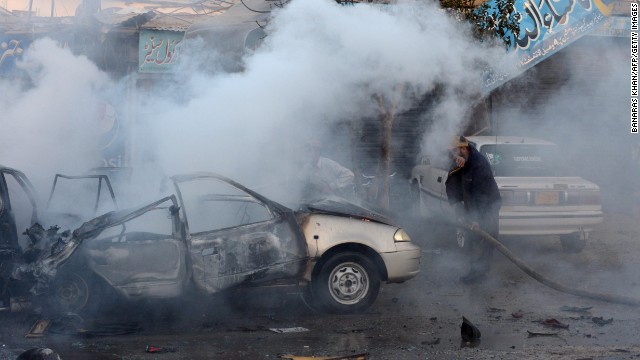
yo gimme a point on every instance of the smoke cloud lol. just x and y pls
(45, 126)
(321, 63)
(585, 113)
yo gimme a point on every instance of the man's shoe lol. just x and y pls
(473, 278)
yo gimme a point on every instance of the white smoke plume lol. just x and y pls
(321, 63)
(47, 121)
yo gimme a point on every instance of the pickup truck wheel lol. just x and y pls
(573, 243)
(347, 283)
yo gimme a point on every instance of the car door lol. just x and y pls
(140, 252)
(18, 209)
(236, 236)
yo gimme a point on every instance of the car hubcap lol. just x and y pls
(348, 283)
(72, 292)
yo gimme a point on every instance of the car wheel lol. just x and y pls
(70, 293)
(347, 283)
(573, 243)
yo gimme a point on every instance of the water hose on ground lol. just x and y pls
(550, 283)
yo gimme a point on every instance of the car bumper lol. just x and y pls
(532, 223)
(403, 264)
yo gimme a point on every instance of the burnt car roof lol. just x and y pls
(342, 207)
(330, 206)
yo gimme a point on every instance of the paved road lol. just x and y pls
(419, 319)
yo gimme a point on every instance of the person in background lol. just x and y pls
(324, 177)
(473, 193)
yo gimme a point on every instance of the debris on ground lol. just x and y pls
(600, 321)
(576, 309)
(248, 329)
(352, 331)
(468, 331)
(553, 323)
(518, 314)
(436, 341)
(39, 354)
(495, 310)
(339, 357)
(533, 334)
(159, 349)
(38, 329)
(289, 330)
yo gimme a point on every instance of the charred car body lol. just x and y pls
(214, 234)
(23, 240)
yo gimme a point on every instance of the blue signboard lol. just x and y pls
(546, 26)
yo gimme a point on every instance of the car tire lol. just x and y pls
(77, 290)
(573, 243)
(347, 283)
(70, 292)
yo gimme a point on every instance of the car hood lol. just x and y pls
(544, 182)
(342, 207)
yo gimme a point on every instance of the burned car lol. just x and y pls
(214, 234)
(21, 209)
(538, 196)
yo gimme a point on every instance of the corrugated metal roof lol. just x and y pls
(124, 16)
(35, 25)
(149, 18)
(173, 22)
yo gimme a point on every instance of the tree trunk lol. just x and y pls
(383, 172)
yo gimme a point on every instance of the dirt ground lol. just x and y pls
(419, 319)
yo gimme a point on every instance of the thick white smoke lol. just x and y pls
(47, 124)
(321, 63)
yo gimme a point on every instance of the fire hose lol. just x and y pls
(550, 283)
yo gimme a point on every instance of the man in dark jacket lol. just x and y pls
(473, 193)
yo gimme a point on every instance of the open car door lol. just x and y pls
(237, 236)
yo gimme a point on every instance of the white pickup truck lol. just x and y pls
(538, 198)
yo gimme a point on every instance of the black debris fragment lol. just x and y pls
(576, 309)
(159, 349)
(436, 341)
(468, 331)
(553, 323)
(534, 334)
(600, 321)
(39, 354)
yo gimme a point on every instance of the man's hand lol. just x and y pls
(460, 161)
